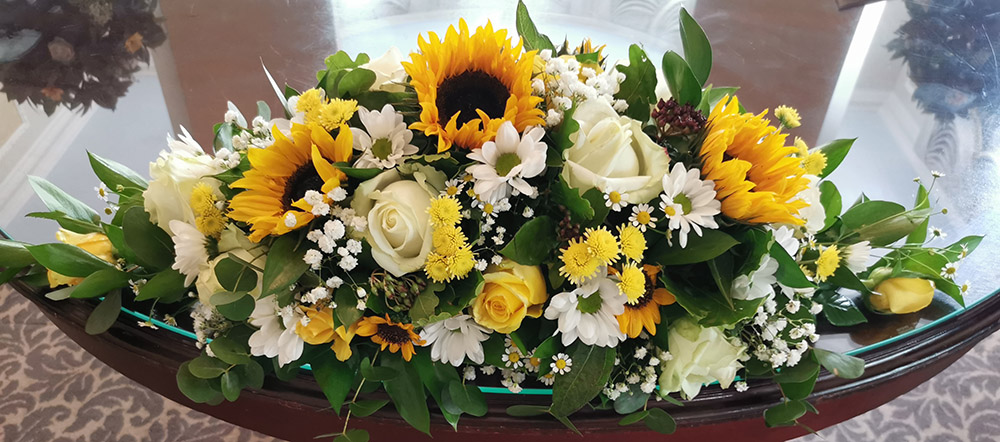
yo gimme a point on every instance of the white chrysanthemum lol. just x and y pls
(507, 162)
(386, 141)
(189, 246)
(688, 202)
(276, 335)
(454, 339)
(592, 321)
(759, 283)
(856, 256)
(785, 237)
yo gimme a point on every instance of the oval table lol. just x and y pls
(837, 62)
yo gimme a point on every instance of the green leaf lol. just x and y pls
(167, 287)
(68, 223)
(67, 260)
(100, 283)
(231, 385)
(152, 246)
(631, 400)
(596, 199)
(424, 305)
(835, 151)
(844, 277)
(407, 393)
(14, 254)
(377, 373)
(660, 421)
(114, 174)
(784, 413)
(56, 200)
(697, 49)
(702, 248)
(252, 374)
(105, 314)
(633, 418)
(207, 367)
(832, 203)
(353, 435)
(684, 87)
(841, 365)
(533, 242)
(197, 389)
(263, 110)
(710, 307)
(526, 410)
(360, 174)
(591, 369)
(548, 348)
(355, 82)
(223, 136)
(533, 40)
(919, 234)
(561, 135)
(579, 208)
(341, 60)
(839, 309)
(469, 398)
(639, 87)
(60, 294)
(789, 273)
(367, 407)
(238, 310)
(882, 222)
(713, 95)
(801, 372)
(568, 423)
(797, 391)
(334, 378)
(230, 351)
(346, 311)
(284, 265)
(235, 276)
(435, 377)
(117, 237)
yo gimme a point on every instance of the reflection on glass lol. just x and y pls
(74, 53)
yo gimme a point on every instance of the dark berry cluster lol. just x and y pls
(674, 119)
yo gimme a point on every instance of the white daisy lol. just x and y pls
(512, 357)
(386, 141)
(856, 256)
(454, 339)
(276, 335)
(102, 192)
(759, 283)
(507, 162)
(688, 202)
(453, 186)
(548, 379)
(189, 246)
(642, 217)
(949, 270)
(965, 287)
(936, 232)
(615, 200)
(561, 363)
(588, 313)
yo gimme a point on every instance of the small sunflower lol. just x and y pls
(645, 311)
(397, 336)
(468, 85)
(757, 177)
(280, 175)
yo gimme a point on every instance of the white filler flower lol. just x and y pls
(386, 141)
(688, 202)
(588, 313)
(189, 245)
(454, 339)
(507, 162)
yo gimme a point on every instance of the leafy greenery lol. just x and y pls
(697, 49)
(835, 152)
(105, 314)
(533, 242)
(684, 87)
(533, 40)
(152, 246)
(58, 201)
(284, 264)
(591, 369)
(639, 87)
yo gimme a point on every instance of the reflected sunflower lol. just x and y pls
(396, 336)
(757, 178)
(645, 311)
(468, 85)
(280, 175)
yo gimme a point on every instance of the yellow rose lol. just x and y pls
(902, 295)
(511, 292)
(96, 243)
(321, 330)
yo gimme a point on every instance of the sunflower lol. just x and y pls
(396, 336)
(468, 85)
(280, 175)
(645, 312)
(757, 177)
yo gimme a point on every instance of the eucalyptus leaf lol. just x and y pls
(197, 389)
(229, 351)
(231, 386)
(631, 400)
(105, 314)
(638, 416)
(784, 413)
(660, 421)
(207, 367)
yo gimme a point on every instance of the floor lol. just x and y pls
(52, 390)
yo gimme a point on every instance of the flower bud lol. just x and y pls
(902, 295)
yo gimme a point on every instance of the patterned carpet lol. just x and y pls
(53, 391)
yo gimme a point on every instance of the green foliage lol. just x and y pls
(100, 283)
(235, 276)
(58, 201)
(533, 242)
(533, 40)
(335, 379)
(67, 260)
(580, 210)
(839, 309)
(114, 174)
(230, 351)
(835, 152)
(377, 372)
(346, 311)
(367, 407)
(353, 435)
(591, 368)
(14, 254)
(841, 365)
(708, 305)
(684, 87)
(919, 234)
(167, 287)
(468, 398)
(784, 413)
(284, 264)
(238, 310)
(789, 273)
(639, 87)
(105, 314)
(526, 410)
(881, 222)
(697, 49)
(631, 400)
(207, 367)
(660, 421)
(702, 248)
(67, 222)
(830, 198)
(197, 389)
(407, 393)
(436, 377)
(343, 77)
(561, 135)
(801, 372)
(152, 246)
(548, 348)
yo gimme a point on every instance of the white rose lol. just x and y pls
(700, 356)
(173, 176)
(610, 152)
(232, 242)
(388, 69)
(395, 203)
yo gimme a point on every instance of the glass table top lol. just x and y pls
(916, 81)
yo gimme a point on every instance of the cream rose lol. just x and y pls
(388, 69)
(700, 356)
(232, 242)
(395, 203)
(173, 176)
(610, 152)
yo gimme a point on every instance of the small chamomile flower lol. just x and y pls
(561, 363)
(642, 217)
(615, 200)
(937, 232)
(949, 270)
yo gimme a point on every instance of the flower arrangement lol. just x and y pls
(502, 212)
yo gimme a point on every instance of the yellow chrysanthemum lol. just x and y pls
(578, 261)
(310, 101)
(788, 116)
(827, 263)
(632, 241)
(632, 282)
(209, 219)
(447, 240)
(644, 313)
(756, 176)
(814, 163)
(462, 262)
(329, 114)
(281, 174)
(445, 211)
(203, 199)
(801, 145)
(468, 85)
(603, 245)
(436, 267)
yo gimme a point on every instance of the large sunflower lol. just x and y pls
(280, 175)
(757, 177)
(645, 312)
(468, 85)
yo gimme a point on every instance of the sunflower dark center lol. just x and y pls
(304, 179)
(393, 334)
(645, 298)
(468, 91)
